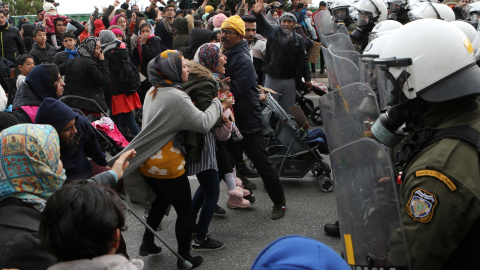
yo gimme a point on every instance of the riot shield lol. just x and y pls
(346, 69)
(324, 23)
(331, 75)
(368, 207)
(343, 30)
(339, 41)
(348, 114)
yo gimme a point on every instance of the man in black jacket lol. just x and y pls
(61, 26)
(248, 113)
(286, 60)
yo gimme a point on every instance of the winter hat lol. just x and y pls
(218, 20)
(151, 22)
(309, 13)
(208, 55)
(48, 6)
(288, 16)
(298, 252)
(204, 17)
(116, 31)
(208, 8)
(236, 23)
(55, 113)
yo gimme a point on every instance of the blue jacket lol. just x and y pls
(239, 67)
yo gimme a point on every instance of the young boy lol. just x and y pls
(25, 64)
(61, 58)
(41, 50)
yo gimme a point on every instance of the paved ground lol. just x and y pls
(246, 232)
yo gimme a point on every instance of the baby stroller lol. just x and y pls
(107, 143)
(288, 148)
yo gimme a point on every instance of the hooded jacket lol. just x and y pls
(76, 163)
(183, 27)
(197, 38)
(277, 45)
(41, 55)
(11, 43)
(239, 68)
(87, 78)
(36, 87)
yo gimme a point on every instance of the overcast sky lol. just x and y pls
(86, 6)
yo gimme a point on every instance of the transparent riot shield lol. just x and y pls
(331, 75)
(324, 23)
(343, 30)
(340, 41)
(348, 114)
(346, 69)
(368, 207)
(349, 54)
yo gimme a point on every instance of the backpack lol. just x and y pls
(129, 77)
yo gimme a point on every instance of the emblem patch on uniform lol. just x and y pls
(421, 205)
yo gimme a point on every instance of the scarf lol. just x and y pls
(208, 55)
(30, 157)
(139, 44)
(84, 35)
(115, 19)
(98, 27)
(168, 26)
(165, 70)
(87, 47)
(71, 53)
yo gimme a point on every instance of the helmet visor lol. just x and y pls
(340, 14)
(362, 18)
(394, 8)
(368, 73)
(393, 76)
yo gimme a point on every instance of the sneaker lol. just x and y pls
(332, 230)
(247, 172)
(208, 244)
(146, 249)
(220, 212)
(251, 198)
(278, 210)
(195, 261)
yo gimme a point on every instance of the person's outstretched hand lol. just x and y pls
(122, 162)
(258, 7)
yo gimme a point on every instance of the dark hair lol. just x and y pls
(227, 13)
(3, 11)
(52, 71)
(79, 221)
(39, 11)
(170, 6)
(143, 25)
(197, 23)
(137, 24)
(249, 18)
(169, 3)
(57, 20)
(68, 35)
(21, 59)
(272, 11)
(38, 29)
(223, 85)
(27, 30)
(300, 5)
(323, 3)
(211, 14)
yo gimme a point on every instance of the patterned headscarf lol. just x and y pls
(165, 70)
(87, 47)
(30, 156)
(208, 55)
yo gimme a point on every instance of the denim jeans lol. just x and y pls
(126, 120)
(206, 197)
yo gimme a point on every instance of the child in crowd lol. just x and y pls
(49, 17)
(239, 197)
(70, 52)
(25, 64)
(41, 50)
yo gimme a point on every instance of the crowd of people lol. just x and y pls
(179, 82)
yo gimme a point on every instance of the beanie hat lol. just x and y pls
(298, 252)
(54, 113)
(236, 23)
(204, 17)
(116, 31)
(218, 20)
(288, 16)
(48, 6)
(309, 13)
(208, 8)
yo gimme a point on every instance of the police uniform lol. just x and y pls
(440, 196)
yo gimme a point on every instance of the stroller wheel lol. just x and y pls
(326, 184)
(317, 171)
(316, 116)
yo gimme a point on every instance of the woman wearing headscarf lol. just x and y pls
(99, 26)
(168, 110)
(183, 26)
(42, 82)
(134, 25)
(30, 171)
(124, 100)
(120, 22)
(88, 76)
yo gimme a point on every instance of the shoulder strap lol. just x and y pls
(464, 133)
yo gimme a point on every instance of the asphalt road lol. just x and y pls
(246, 232)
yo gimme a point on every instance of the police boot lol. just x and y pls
(332, 230)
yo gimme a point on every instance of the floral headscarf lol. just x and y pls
(165, 70)
(208, 55)
(87, 47)
(30, 156)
